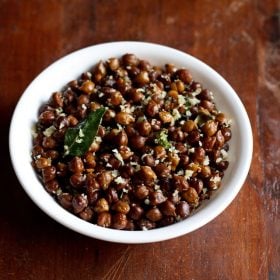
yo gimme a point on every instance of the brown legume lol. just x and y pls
(156, 156)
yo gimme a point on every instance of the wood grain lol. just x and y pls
(241, 40)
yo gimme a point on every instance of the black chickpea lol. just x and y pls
(119, 221)
(168, 208)
(154, 214)
(104, 219)
(159, 150)
(79, 203)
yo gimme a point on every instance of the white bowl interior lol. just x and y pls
(70, 67)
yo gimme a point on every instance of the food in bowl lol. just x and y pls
(130, 145)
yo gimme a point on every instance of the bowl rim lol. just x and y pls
(175, 230)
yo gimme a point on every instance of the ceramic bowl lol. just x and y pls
(68, 68)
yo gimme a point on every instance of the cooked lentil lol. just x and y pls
(161, 148)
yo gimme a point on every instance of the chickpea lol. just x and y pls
(209, 105)
(226, 133)
(93, 195)
(199, 155)
(184, 161)
(37, 150)
(65, 200)
(124, 118)
(144, 128)
(152, 108)
(121, 138)
(73, 84)
(137, 142)
(126, 171)
(193, 137)
(156, 198)
(52, 186)
(47, 117)
(210, 128)
(162, 170)
(94, 147)
(181, 148)
(165, 117)
(101, 205)
(191, 196)
(173, 94)
(61, 169)
(166, 221)
(42, 162)
(220, 140)
(159, 152)
(135, 212)
(135, 95)
(61, 122)
(72, 120)
(206, 171)
(130, 59)
(206, 95)
(180, 183)
(76, 165)
(141, 192)
(188, 126)
(104, 219)
(170, 68)
(184, 75)
(183, 209)
(101, 131)
(125, 152)
(197, 184)
(89, 160)
(147, 174)
(77, 180)
(119, 221)
(178, 85)
(49, 143)
(104, 179)
(111, 195)
(48, 173)
(168, 208)
(174, 159)
(113, 63)
(222, 165)
(99, 71)
(121, 207)
(94, 106)
(109, 115)
(86, 214)
(148, 160)
(115, 98)
(142, 78)
(208, 143)
(154, 214)
(115, 163)
(83, 99)
(177, 135)
(57, 100)
(79, 203)
(87, 87)
(146, 224)
(156, 125)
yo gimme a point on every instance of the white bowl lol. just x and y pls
(69, 68)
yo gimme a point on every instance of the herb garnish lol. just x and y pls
(162, 139)
(78, 139)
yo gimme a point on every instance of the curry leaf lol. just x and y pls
(78, 139)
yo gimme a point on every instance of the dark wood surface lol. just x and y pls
(241, 40)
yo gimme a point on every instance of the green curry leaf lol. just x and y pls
(78, 139)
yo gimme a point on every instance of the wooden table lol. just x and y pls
(241, 40)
